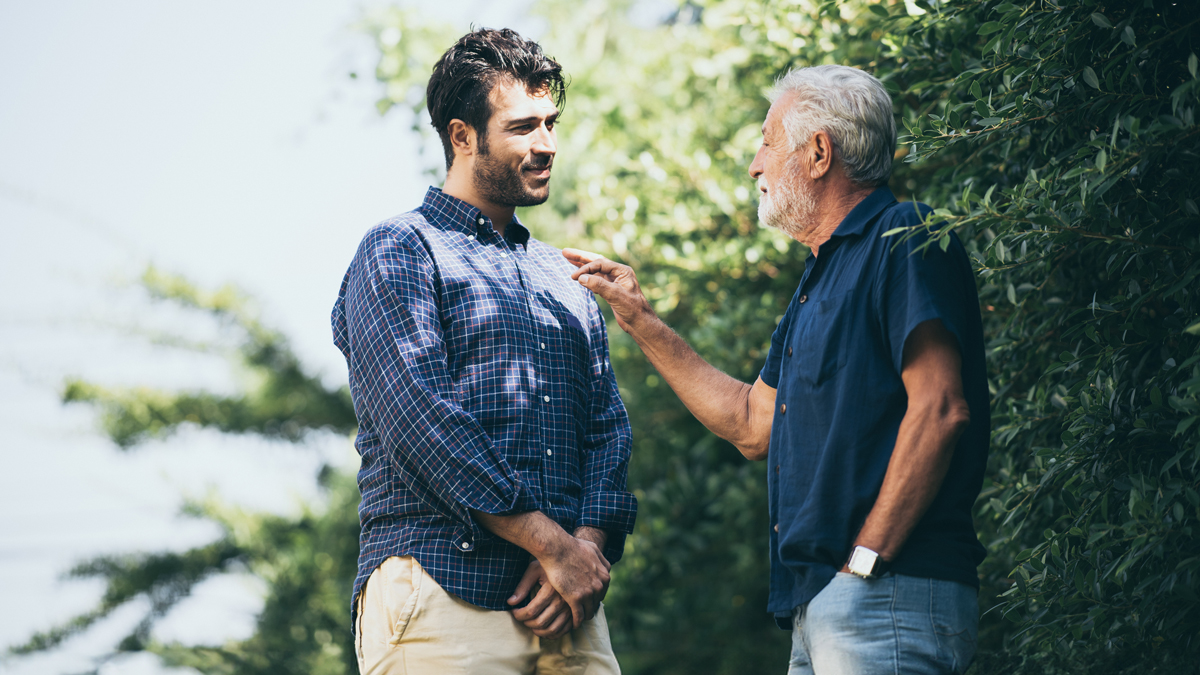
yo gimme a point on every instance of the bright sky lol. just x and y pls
(222, 140)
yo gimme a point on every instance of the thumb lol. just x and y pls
(526, 584)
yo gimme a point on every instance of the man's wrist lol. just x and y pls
(595, 535)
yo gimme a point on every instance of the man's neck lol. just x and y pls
(831, 212)
(460, 186)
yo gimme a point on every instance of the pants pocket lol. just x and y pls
(402, 589)
(955, 613)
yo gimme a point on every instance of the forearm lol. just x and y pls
(924, 448)
(531, 530)
(720, 402)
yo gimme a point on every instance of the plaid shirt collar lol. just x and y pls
(452, 213)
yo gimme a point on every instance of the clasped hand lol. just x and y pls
(567, 589)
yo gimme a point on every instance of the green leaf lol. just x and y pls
(1089, 76)
(990, 121)
(1193, 329)
(944, 241)
(1066, 357)
(1101, 160)
(878, 10)
(1192, 64)
(1127, 36)
(1185, 424)
(977, 91)
(990, 27)
(1155, 396)
(1101, 20)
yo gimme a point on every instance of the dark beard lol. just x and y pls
(502, 185)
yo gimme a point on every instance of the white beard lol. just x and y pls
(788, 207)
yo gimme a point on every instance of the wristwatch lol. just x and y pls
(867, 563)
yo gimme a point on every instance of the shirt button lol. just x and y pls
(481, 221)
(466, 545)
(776, 468)
(543, 345)
(776, 527)
(783, 409)
(549, 451)
(471, 237)
(546, 399)
(789, 351)
(803, 299)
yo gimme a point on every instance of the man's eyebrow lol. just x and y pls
(532, 118)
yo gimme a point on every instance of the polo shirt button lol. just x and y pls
(776, 468)
(789, 351)
(803, 299)
(546, 399)
(776, 527)
(549, 451)
(480, 221)
(466, 545)
(543, 345)
(783, 409)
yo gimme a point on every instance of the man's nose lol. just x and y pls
(756, 167)
(544, 142)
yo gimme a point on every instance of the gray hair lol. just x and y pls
(852, 107)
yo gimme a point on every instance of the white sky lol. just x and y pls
(222, 140)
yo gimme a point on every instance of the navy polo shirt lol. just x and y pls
(835, 361)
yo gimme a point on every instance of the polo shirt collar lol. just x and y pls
(453, 213)
(866, 210)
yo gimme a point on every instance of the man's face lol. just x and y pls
(786, 199)
(513, 164)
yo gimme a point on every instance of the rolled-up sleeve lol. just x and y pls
(607, 444)
(396, 346)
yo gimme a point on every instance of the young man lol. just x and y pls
(872, 409)
(494, 444)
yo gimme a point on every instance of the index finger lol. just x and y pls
(578, 257)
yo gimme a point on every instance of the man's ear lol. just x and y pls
(820, 155)
(462, 137)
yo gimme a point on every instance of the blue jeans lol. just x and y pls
(894, 624)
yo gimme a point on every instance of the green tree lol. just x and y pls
(309, 562)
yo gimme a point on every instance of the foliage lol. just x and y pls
(283, 401)
(308, 562)
(1060, 142)
(1057, 140)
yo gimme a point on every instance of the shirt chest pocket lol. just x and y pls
(817, 351)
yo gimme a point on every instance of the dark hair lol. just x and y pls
(464, 77)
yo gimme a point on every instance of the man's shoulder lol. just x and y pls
(903, 214)
(408, 231)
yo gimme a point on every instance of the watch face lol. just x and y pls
(862, 561)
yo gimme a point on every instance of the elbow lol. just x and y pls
(956, 415)
(754, 451)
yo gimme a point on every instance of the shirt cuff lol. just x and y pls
(475, 535)
(614, 512)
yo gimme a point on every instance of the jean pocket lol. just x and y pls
(955, 614)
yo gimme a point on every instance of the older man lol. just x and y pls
(872, 408)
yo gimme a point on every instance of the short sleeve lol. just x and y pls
(921, 285)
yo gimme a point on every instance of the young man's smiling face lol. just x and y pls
(515, 156)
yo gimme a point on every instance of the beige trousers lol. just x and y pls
(408, 625)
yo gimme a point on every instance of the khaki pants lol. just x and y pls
(408, 625)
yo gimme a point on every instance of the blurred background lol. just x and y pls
(183, 186)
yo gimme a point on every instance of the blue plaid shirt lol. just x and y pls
(480, 376)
